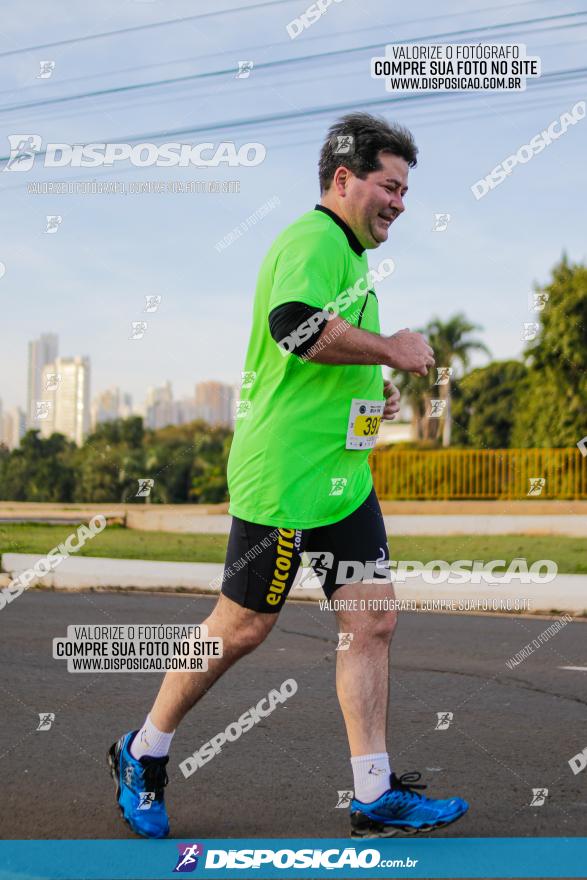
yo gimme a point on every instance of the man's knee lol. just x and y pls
(376, 625)
(242, 629)
(385, 624)
(253, 631)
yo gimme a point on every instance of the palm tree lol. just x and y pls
(452, 345)
(414, 391)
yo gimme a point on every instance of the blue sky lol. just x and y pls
(88, 281)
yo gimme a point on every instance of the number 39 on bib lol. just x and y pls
(364, 421)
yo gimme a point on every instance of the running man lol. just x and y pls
(312, 400)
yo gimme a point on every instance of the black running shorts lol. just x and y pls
(262, 561)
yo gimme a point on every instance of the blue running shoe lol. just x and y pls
(139, 788)
(402, 808)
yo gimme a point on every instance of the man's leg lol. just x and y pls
(261, 564)
(355, 544)
(362, 672)
(241, 631)
(138, 759)
(252, 596)
(382, 803)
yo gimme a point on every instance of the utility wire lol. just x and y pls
(117, 90)
(261, 47)
(271, 119)
(144, 27)
(444, 116)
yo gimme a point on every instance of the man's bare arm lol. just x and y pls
(342, 343)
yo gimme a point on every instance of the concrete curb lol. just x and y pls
(85, 572)
(567, 592)
(532, 516)
(574, 525)
(410, 524)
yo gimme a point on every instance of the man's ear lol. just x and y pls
(341, 179)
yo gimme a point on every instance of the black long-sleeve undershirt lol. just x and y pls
(285, 319)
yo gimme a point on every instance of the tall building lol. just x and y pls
(215, 403)
(110, 405)
(185, 411)
(12, 427)
(66, 399)
(159, 407)
(42, 351)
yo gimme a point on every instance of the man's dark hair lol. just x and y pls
(367, 135)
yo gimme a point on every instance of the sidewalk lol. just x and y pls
(567, 592)
(526, 517)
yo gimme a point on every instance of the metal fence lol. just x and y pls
(479, 473)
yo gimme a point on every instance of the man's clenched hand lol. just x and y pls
(410, 352)
(392, 395)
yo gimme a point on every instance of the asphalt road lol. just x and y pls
(512, 730)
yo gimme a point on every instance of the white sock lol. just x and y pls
(150, 741)
(371, 774)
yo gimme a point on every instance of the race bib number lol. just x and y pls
(364, 421)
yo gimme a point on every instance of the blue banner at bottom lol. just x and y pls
(264, 858)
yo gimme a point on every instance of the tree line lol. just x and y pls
(187, 464)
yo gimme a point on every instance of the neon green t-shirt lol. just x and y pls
(299, 457)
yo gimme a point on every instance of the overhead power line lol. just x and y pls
(427, 119)
(271, 119)
(144, 27)
(260, 47)
(116, 90)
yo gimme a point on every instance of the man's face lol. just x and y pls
(372, 204)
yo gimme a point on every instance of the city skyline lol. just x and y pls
(59, 399)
